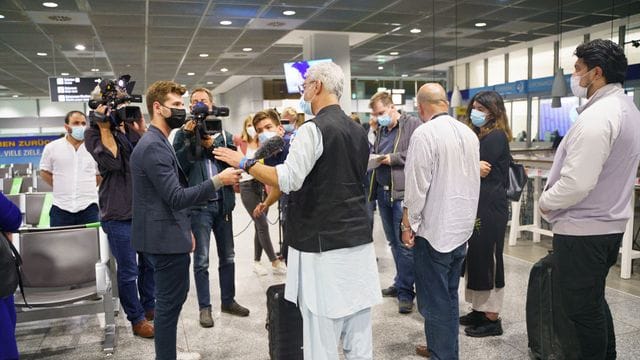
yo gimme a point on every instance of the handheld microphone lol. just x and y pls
(270, 148)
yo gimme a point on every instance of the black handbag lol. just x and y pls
(10, 262)
(517, 181)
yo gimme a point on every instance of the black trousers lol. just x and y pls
(583, 264)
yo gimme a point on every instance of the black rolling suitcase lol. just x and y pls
(284, 324)
(550, 332)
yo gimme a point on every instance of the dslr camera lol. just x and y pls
(116, 95)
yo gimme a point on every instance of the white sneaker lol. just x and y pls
(188, 356)
(279, 269)
(259, 269)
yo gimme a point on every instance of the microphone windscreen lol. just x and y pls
(270, 147)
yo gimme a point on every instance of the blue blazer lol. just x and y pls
(161, 197)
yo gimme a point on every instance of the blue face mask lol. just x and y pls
(384, 120)
(478, 118)
(266, 135)
(288, 127)
(305, 106)
(77, 132)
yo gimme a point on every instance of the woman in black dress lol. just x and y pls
(484, 271)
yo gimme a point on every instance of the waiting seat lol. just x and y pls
(65, 274)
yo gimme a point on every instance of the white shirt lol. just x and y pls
(334, 283)
(442, 182)
(74, 175)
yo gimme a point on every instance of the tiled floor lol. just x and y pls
(395, 335)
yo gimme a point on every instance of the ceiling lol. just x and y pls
(160, 39)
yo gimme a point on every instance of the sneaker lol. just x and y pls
(259, 269)
(405, 307)
(474, 318)
(144, 329)
(489, 328)
(206, 320)
(279, 269)
(182, 355)
(423, 350)
(150, 314)
(235, 309)
(391, 291)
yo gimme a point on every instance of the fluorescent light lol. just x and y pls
(481, 24)
(80, 47)
(288, 13)
(204, 55)
(209, 82)
(394, 53)
(380, 67)
(224, 70)
(405, 75)
(190, 73)
(41, 54)
(1, 16)
(415, 31)
(15, 96)
(247, 49)
(49, 4)
(225, 22)
(64, 74)
(95, 69)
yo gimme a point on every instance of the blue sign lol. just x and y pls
(23, 149)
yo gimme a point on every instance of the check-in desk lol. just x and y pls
(538, 168)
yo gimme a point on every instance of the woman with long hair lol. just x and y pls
(484, 266)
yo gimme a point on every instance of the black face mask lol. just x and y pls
(177, 118)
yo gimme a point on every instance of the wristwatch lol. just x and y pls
(404, 228)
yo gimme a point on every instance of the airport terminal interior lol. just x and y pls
(248, 53)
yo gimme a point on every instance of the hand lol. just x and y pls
(230, 176)
(206, 142)
(408, 238)
(189, 126)
(193, 243)
(260, 209)
(228, 156)
(386, 160)
(485, 168)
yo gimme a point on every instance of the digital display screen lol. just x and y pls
(66, 89)
(294, 73)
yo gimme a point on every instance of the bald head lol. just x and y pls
(432, 99)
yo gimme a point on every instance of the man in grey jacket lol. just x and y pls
(387, 187)
(587, 195)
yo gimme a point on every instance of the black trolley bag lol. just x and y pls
(550, 332)
(284, 324)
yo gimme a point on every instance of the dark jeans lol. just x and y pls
(583, 265)
(172, 285)
(391, 215)
(8, 345)
(203, 220)
(251, 194)
(437, 280)
(130, 270)
(59, 217)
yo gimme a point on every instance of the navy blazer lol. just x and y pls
(161, 197)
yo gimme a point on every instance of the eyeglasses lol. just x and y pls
(302, 86)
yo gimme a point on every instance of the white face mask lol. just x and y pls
(576, 88)
(251, 132)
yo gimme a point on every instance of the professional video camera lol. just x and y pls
(207, 121)
(116, 94)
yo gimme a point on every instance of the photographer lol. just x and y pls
(193, 149)
(110, 140)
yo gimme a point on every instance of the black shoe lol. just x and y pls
(391, 291)
(235, 309)
(489, 328)
(405, 307)
(474, 318)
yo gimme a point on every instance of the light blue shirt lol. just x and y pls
(335, 283)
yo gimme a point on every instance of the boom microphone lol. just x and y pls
(270, 148)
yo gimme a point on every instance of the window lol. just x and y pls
(496, 70)
(542, 61)
(518, 65)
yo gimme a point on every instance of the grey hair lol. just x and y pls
(330, 75)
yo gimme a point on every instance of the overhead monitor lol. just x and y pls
(294, 73)
(65, 89)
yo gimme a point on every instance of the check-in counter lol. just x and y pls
(537, 169)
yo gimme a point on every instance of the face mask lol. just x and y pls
(384, 120)
(288, 127)
(478, 118)
(177, 117)
(576, 89)
(305, 106)
(251, 132)
(266, 135)
(77, 132)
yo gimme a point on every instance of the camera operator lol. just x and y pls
(111, 147)
(215, 214)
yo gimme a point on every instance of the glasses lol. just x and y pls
(302, 86)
